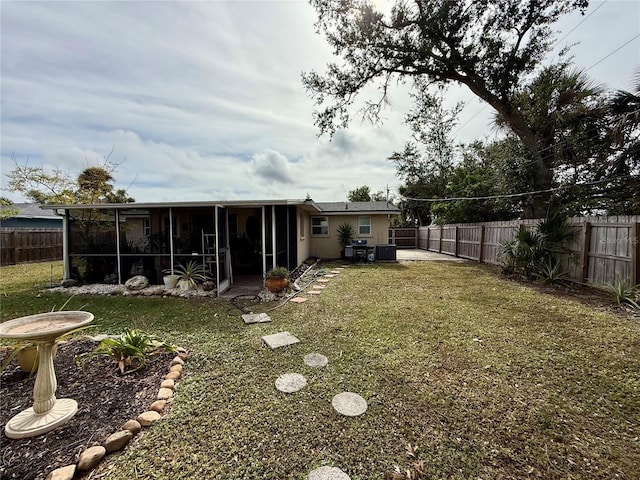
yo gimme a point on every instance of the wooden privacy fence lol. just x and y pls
(404, 237)
(603, 249)
(26, 245)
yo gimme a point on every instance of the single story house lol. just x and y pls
(29, 215)
(109, 243)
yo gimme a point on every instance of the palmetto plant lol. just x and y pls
(131, 347)
(533, 252)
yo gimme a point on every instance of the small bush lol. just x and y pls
(624, 293)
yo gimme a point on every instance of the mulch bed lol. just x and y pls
(105, 401)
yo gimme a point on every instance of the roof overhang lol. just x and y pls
(156, 205)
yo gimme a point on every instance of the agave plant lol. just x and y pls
(624, 293)
(550, 271)
(131, 347)
(191, 274)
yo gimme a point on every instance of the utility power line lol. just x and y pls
(515, 195)
(611, 53)
(574, 28)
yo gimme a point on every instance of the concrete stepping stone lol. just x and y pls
(323, 280)
(299, 299)
(315, 360)
(256, 318)
(328, 473)
(330, 275)
(349, 404)
(281, 339)
(319, 287)
(290, 382)
(314, 292)
(335, 272)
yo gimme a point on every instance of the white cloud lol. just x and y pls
(271, 167)
(203, 100)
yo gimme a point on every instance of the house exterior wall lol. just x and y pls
(31, 223)
(328, 246)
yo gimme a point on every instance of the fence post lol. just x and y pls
(416, 241)
(428, 231)
(456, 241)
(586, 238)
(440, 246)
(634, 246)
(15, 247)
(481, 254)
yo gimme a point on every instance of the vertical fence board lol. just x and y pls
(603, 248)
(29, 245)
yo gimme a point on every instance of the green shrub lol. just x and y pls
(131, 346)
(624, 293)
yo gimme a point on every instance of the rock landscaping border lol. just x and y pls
(92, 456)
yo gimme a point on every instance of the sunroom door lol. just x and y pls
(223, 260)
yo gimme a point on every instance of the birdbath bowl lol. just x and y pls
(47, 412)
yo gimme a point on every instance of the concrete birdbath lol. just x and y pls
(47, 412)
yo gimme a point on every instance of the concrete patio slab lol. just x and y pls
(281, 339)
(256, 318)
(410, 255)
(290, 382)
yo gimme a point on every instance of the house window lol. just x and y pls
(301, 222)
(319, 226)
(364, 225)
(146, 227)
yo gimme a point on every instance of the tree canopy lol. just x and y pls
(93, 185)
(363, 194)
(490, 46)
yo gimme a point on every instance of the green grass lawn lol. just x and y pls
(489, 378)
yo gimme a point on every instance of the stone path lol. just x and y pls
(281, 339)
(346, 403)
(349, 404)
(328, 473)
(315, 360)
(290, 382)
(256, 318)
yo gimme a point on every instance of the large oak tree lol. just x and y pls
(490, 46)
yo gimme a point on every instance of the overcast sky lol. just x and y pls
(203, 100)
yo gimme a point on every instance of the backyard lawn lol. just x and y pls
(488, 378)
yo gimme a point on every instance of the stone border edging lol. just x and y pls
(92, 456)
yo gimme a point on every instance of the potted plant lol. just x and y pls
(26, 352)
(277, 279)
(190, 275)
(170, 279)
(345, 236)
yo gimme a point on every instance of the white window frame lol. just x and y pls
(368, 232)
(324, 226)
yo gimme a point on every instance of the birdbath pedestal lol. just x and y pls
(47, 412)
